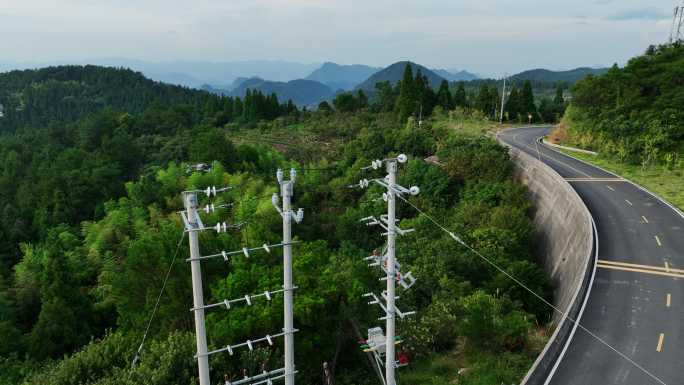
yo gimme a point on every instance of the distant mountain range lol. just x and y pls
(570, 76)
(395, 72)
(193, 73)
(302, 92)
(344, 77)
(456, 75)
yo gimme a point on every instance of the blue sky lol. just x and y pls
(485, 36)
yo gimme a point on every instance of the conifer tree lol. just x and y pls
(407, 95)
(460, 98)
(444, 98)
(527, 101)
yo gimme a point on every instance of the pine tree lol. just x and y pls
(558, 99)
(527, 101)
(444, 98)
(407, 95)
(460, 98)
(483, 99)
(362, 99)
(513, 104)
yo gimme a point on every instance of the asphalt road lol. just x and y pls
(636, 303)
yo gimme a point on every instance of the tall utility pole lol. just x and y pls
(387, 261)
(286, 192)
(674, 23)
(390, 355)
(193, 225)
(677, 21)
(190, 201)
(503, 98)
(681, 21)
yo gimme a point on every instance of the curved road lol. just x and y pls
(636, 303)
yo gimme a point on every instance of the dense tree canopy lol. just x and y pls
(90, 227)
(634, 113)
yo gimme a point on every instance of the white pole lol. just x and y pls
(503, 97)
(286, 192)
(197, 295)
(390, 355)
(674, 23)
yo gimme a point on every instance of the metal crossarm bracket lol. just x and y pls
(376, 301)
(249, 343)
(245, 251)
(263, 378)
(247, 299)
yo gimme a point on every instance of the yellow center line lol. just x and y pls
(660, 342)
(645, 220)
(648, 270)
(668, 300)
(658, 240)
(667, 267)
(628, 202)
(610, 188)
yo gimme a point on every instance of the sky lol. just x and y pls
(489, 37)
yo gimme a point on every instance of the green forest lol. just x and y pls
(413, 96)
(634, 113)
(93, 163)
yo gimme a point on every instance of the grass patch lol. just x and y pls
(668, 184)
(478, 368)
(463, 122)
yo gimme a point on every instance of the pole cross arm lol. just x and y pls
(249, 344)
(397, 189)
(263, 378)
(244, 251)
(247, 299)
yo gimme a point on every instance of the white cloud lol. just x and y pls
(488, 36)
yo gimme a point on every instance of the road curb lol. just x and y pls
(549, 359)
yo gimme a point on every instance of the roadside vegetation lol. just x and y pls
(633, 117)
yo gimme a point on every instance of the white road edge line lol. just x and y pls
(584, 305)
(644, 189)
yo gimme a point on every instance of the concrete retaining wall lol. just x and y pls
(566, 250)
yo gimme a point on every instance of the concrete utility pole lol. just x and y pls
(503, 98)
(681, 21)
(390, 355)
(378, 343)
(286, 192)
(190, 201)
(193, 225)
(674, 23)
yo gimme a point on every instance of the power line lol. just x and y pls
(519, 283)
(156, 305)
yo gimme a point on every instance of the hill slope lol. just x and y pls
(301, 91)
(344, 77)
(394, 73)
(67, 93)
(570, 76)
